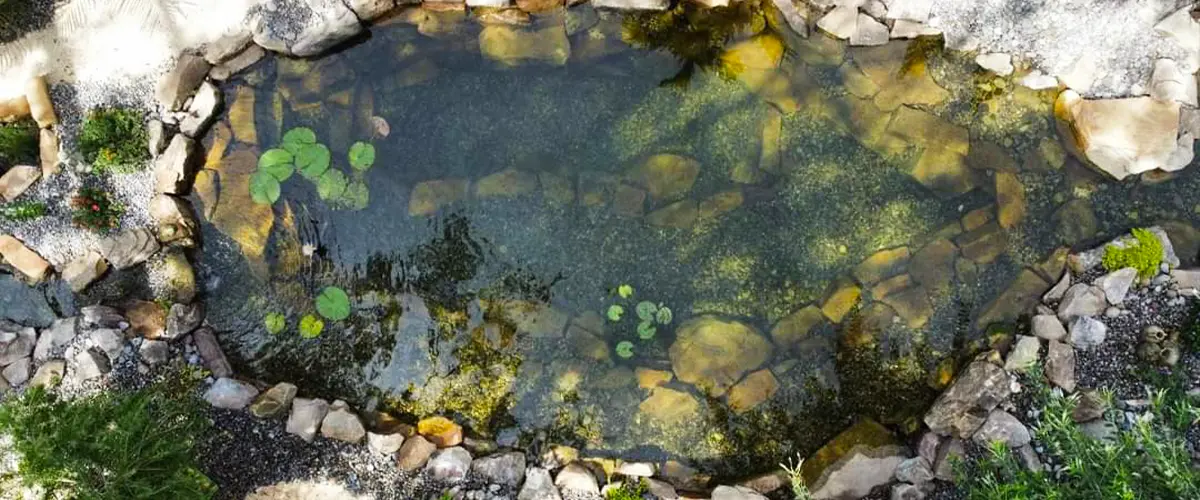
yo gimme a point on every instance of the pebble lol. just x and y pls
(1112, 312)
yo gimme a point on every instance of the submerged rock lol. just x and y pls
(666, 177)
(713, 354)
(513, 46)
(430, 196)
(670, 407)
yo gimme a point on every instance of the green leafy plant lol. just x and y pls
(627, 491)
(625, 291)
(300, 152)
(18, 211)
(615, 312)
(362, 156)
(108, 446)
(333, 304)
(18, 143)
(1144, 253)
(96, 210)
(264, 188)
(649, 315)
(311, 326)
(114, 140)
(331, 185)
(277, 163)
(274, 322)
(624, 349)
(796, 479)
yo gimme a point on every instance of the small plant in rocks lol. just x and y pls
(96, 210)
(19, 211)
(114, 140)
(1143, 254)
(18, 143)
(627, 491)
(796, 479)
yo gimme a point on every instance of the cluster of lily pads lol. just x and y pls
(332, 304)
(301, 153)
(649, 315)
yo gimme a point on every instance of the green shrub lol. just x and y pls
(18, 143)
(96, 210)
(114, 140)
(1144, 254)
(1149, 460)
(118, 446)
(22, 210)
(626, 492)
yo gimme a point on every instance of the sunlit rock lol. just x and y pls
(512, 46)
(882, 264)
(666, 176)
(841, 301)
(1122, 137)
(753, 61)
(864, 433)
(241, 117)
(669, 407)
(649, 379)
(430, 196)
(796, 327)
(1184, 29)
(998, 63)
(899, 83)
(755, 389)
(238, 217)
(713, 354)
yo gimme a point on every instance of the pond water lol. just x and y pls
(831, 228)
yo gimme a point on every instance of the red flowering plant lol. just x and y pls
(96, 210)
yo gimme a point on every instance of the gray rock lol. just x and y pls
(245, 59)
(23, 304)
(367, 10)
(172, 168)
(1048, 327)
(157, 135)
(904, 491)
(632, 4)
(210, 351)
(1187, 278)
(960, 410)
(1090, 406)
(59, 334)
(110, 341)
(661, 489)
(869, 33)
(342, 424)
(1002, 426)
(736, 493)
(128, 248)
(306, 417)
(102, 317)
(927, 447)
(415, 453)
(230, 394)
(1087, 332)
(178, 84)
(385, 444)
(1099, 429)
(303, 27)
(1116, 284)
(154, 352)
(17, 372)
(449, 465)
(183, 319)
(228, 45)
(90, 364)
(1024, 354)
(16, 345)
(201, 112)
(795, 14)
(1060, 365)
(505, 468)
(1029, 458)
(580, 18)
(1081, 300)
(1112, 312)
(175, 223)
(576, 477)
(277, 401)
(916, 470)
(49, 374)
(950, 451)
(84, 270)
(538, 486)
(861, 470)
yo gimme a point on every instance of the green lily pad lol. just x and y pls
(274, 322)
(313, 161)
(646, 330)
(295, 139)
(333, 304)
(356, 196)
(311, 326)
(615, 312)
(362, 156)
(625, 291)
(664, 315)
(331, 185)
(278, 163)
(264, 188)
(646, 310)
(625, 349)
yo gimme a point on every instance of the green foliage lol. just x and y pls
(627, 491)
(300, 152)
(646, 330)
(95, 209)
(361, 156)
(264, 188)
(1144, 254)
(1148, 460)
(625, 349)
(277, 163)
(274, 322)
(333, 304)
(19, 211)
(297, 138)
(114, 140)
(109, 446)
(648, 313)
(313, 160)
(625, 291)
(615, 312)
(311, 326)
(331, 185)
(796, 479)
(18, 143)
(646, 310)
(356, 196)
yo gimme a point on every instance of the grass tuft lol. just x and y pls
(114, 140)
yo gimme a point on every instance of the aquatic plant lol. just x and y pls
(625, 291)
(362, 156)
(648, 314)
(274, 322)
(114, 140)
(18, 143)
(333, 304)
(300, 152)
(311, 326)
(111, 445)
(1144, 254)
(615, 312)
(96, 210)
(627, 491)
(24, 210)
(696, 35)
(918, 53)
(624, 349)
(796, 479)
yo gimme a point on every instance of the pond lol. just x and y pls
(797, 233)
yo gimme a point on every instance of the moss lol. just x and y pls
(1144, 253)
(18, 143)
(114, 140)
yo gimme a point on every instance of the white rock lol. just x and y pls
(1082, 75)
(636, 469)
(1024, 354)
(1087, 332)
(1180, 27)
(171, 169)
(1037, 80)
(869, 32)
(736, 493)
(59, 334)
(342, 424)
(1184, 153)
(1059, 289)
(1082, 300)
(17, 373)
(857, 473)
(16, 345)
(328, 23)
(449, 465)
(910, 10)
(538, 486)
(83, 270)
(108, 340)
(385, 444)
(1187, 278)
(202, 111)
(1116, 284)
(911, 29)
(1123, 136)
(367, 10)
(795, 15)
(841, 22)
(306, 417)
(996, 62)
(49, 374)
(154, 352)
(1170, 84)
(1047, 326)
(1002, 426)
(503, 468)
(230, 394)
(632, 4)
(875, 8)
(577, 478)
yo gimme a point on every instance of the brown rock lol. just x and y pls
(14, 109)
(965, 405)
(678, 215)
(507, 183)
(48, 152)
(40, 105)
(16, 180)
(912, 304)
(83, 270)
(891, 285)
(649, 379)
(720, 203)
(933, 265)
(508, 17)
(841, 301)
(629, 201)
(756, 388)
(669, 407)
(984, 244)
(1060, 365)
(210, 351)
(414, 453)
(430, 196)
(146, 319)
(794, 328)
(1010, 196)
(1019, 298)
(539, 5)
(666, 176)
(20, 257)
(713, 354)
(881, 265)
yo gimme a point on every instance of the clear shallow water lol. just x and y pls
(508, 202)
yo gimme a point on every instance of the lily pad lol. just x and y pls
(625, 349)
(615, 312)
(664, 315)
(295, 139)
(331, 185)
(625, 291)
(646, 330)
(333, 304)
(646, 310)
(311, 326)
(264, 188)
(362, 156)
(356, 196)
(313, 161)
(274, 322)
(278, 163)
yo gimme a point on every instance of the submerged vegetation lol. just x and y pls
(301, 153)
(649, 315)
(114, 140)
(1144, 253)
(18, 143)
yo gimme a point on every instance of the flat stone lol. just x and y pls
(146, 319)
(1186, 278)
(183, 319)
(755, 389)
(631, 5)
(306, 417)
(48, 152)
(912, 304)
(49, 374)
(324, 24)
(724, 492)
(841, 22)
(577, 478)
(840, 301)
(367, 10)
(51, 339)
(17, 179)
(342, 424)
(1087, 332)
(1116, 284)
(24, 260)
(175, 87)
(1059, 290)
(998, 63)
(84, 270)
(230, 394)
(228, 45)
(882, 265)
(512, 46)
(17, 372)
(1002, 426)
(713, 354)
(984, 244)
(649, 379)
(1169, 83)
(538, 486)
(41, 107)
(128, 248)
(1010, 198)
(1081, 300)
(794, 14)
(507, 183)
(1024, 354)
(506, 469)
(790, 331)
(669, 407)
(154, 352)
(449, 465)
(90, 364)
(933, 265)
(678, 215)
(237, 64)
(201, 112)
(16, 344)
(210, 351)
(960, 410)
(110, 341)
(1122, 137)
(951, 451)
(1060, 365)
(869, 32)
(430, 196)
(1048, 326)
(172, 168)
(277, 402)
(415, 453)
(858, 472)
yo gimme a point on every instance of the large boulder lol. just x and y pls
(1123, 137)
(962, 409)
(714, 354)
(303, 28)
